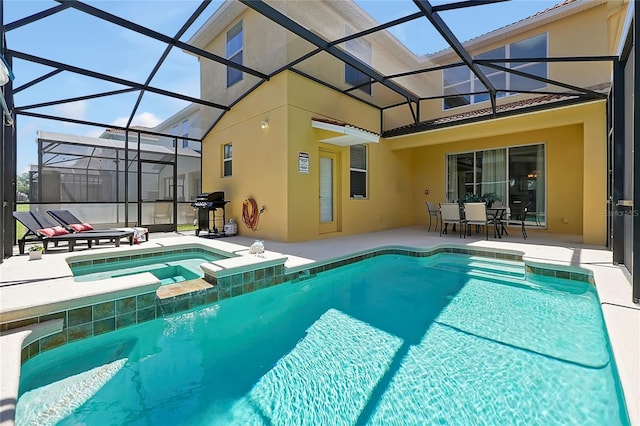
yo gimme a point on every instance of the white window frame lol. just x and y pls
(174, 132)
(226, 159)
(362, 50)
(542, 223)
(185, 133)
(472, 80)
(232, 54)
(360, 170)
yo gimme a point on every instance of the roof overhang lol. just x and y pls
(347, 134)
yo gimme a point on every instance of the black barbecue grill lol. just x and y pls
(207, 204)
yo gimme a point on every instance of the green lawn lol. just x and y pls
(20, 229)
(186, 227)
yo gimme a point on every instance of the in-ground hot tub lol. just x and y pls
(169, 265)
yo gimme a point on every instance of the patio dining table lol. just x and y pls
(498, 216)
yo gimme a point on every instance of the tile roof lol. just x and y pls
(555, 6)
(542, 12)
(503, 108)
(547, 10)
(343, 124)
(143, 131)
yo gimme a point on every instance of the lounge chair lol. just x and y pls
(72, 223)
(112, 235)
(41, 229)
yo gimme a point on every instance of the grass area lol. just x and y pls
(20, 229)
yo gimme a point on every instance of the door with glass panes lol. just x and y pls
(328, 192)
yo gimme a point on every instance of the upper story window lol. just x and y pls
(358, 171)
(458, 83)
(361, 49)
(185, 133)
(174, 132)
(226, 160)
(234, 53)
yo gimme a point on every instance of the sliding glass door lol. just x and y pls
(515, 176)
(527, 181)
(491, 174)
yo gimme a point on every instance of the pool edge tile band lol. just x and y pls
(184, 296)
(90, 259)
(440, 319)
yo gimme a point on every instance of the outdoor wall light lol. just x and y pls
(264, 124)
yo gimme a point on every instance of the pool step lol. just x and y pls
(505, 272)
(479, 265)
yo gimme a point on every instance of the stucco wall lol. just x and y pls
(387, 204)
(564, 178)
(586, 33)
(576, 162)
(265, 163)
(259, 158)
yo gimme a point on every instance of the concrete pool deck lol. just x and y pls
(35, 286)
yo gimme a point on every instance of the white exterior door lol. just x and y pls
(328, 192)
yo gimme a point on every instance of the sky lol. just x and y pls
(87, 42)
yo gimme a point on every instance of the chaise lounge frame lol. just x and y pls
(33, 220)
(66, 218)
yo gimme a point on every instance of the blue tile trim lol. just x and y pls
(89, 262)
(96, 319)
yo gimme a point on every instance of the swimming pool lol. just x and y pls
(169, 266)
(389, 340)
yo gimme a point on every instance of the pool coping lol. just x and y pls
(303, 272)
(12, 343)
(81, 260)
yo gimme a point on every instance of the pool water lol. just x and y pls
(168, 268)
(449, 339)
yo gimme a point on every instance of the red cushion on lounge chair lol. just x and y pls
(51, 232)
(79, 227)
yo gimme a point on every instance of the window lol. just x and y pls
(195, 187)
(361, 50)
(234, 53)
(358, 171)
(185, 133)
(534, 47)
(516, 175)
(496, 77)
(226, 160)
(168, 188)
(174, 131)
(459, 83)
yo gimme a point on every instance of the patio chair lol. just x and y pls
(476, 214)
(499, 214)
(433, 212)
(450, 213)
(162, 212)
(39, 229)
(75, 225)
(519, 216)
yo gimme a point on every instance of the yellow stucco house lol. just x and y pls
(313, 146)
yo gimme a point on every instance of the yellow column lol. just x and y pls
(594, 211)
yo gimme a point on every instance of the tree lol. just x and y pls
(22, 185)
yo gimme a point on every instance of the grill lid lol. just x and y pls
(211, 196)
